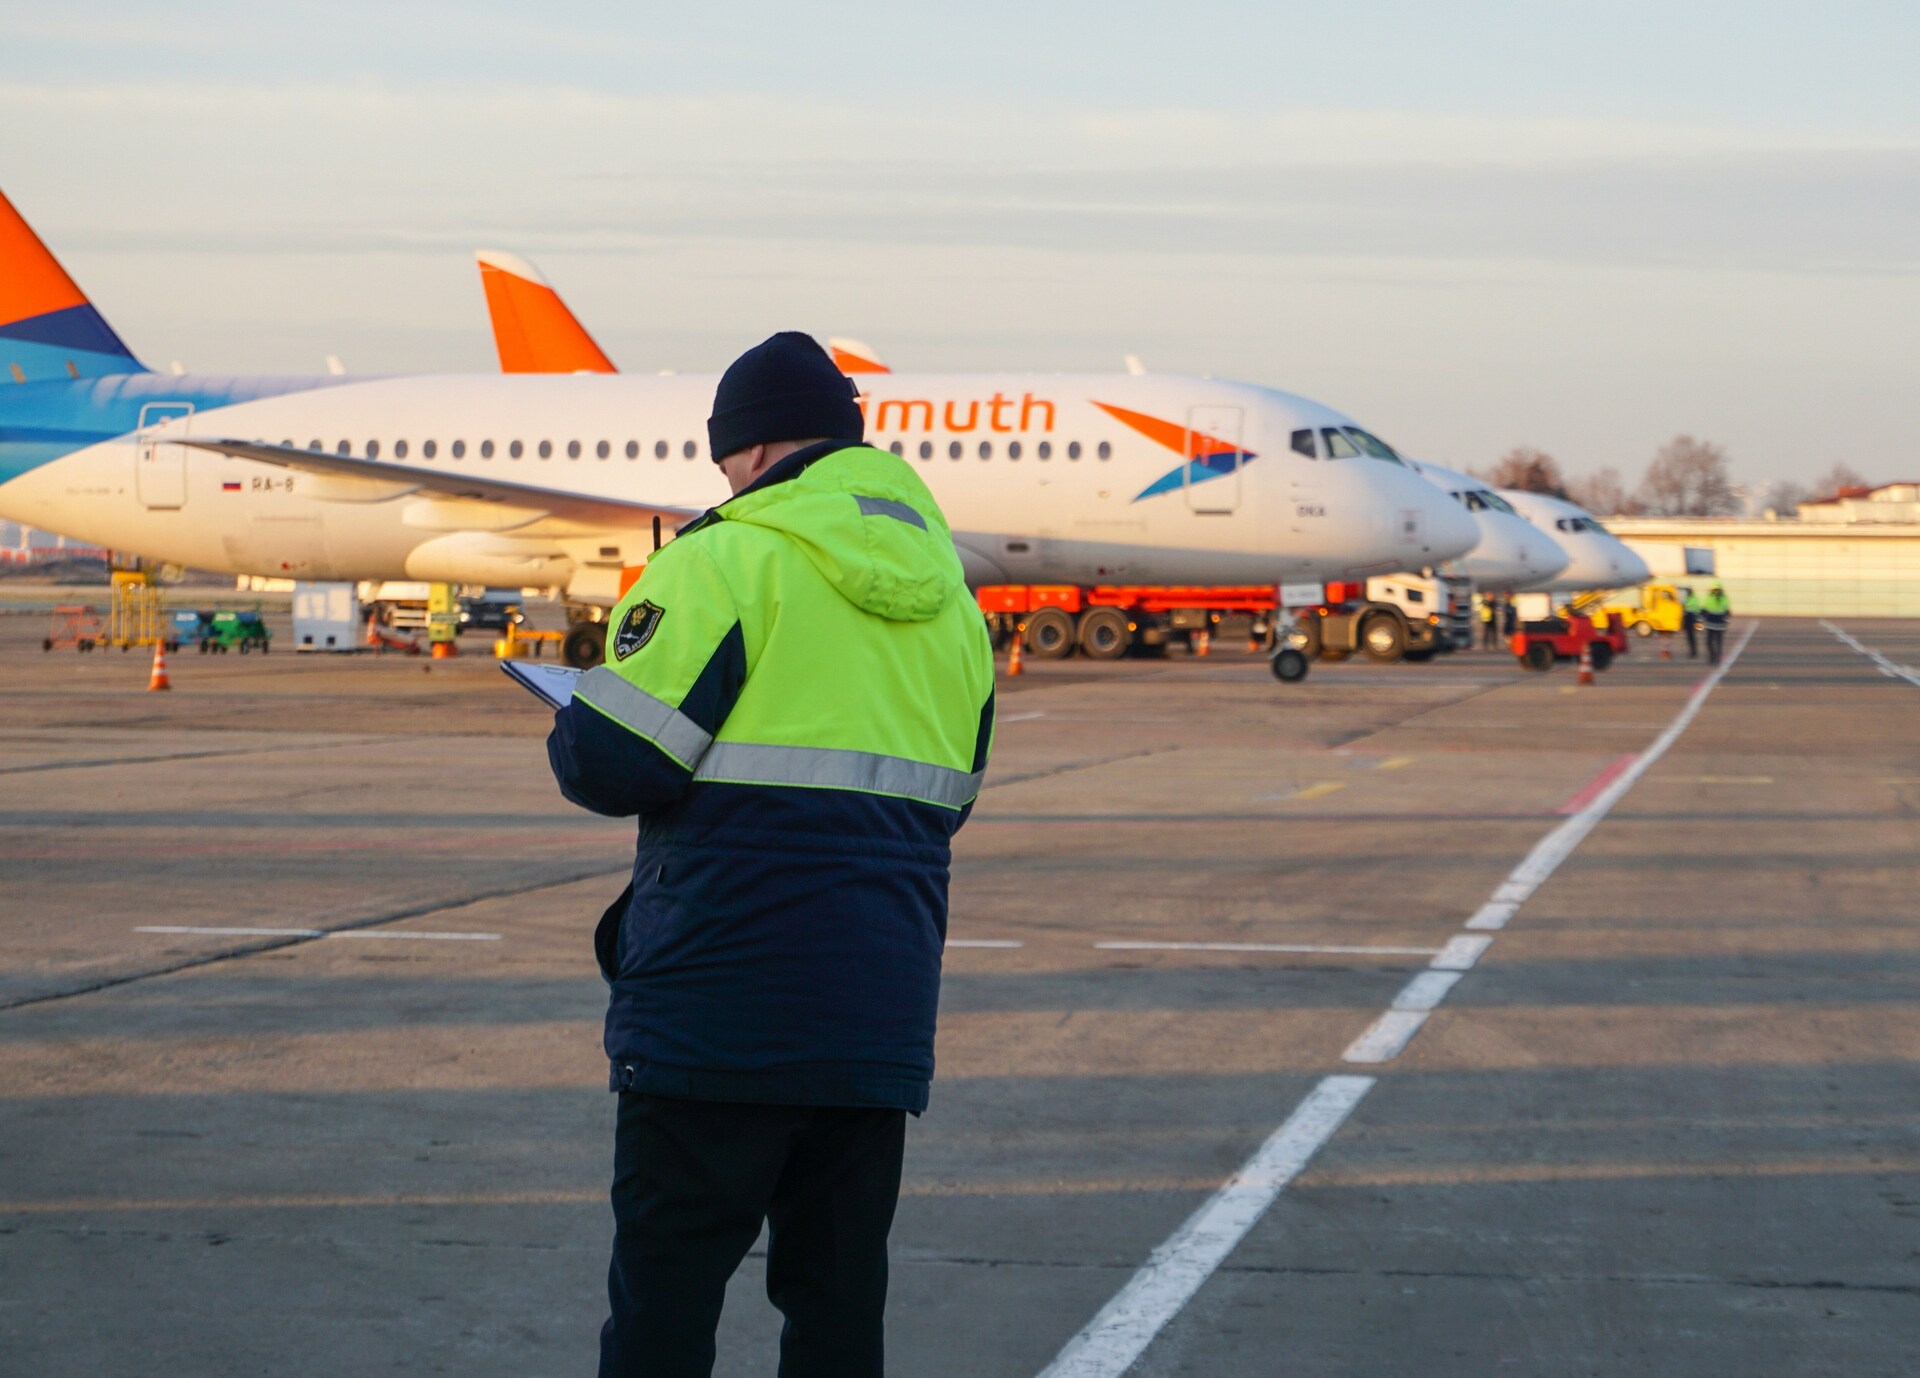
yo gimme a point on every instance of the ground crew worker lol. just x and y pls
(1489, 622)
(1715, 609)
(797, 702)
(1690, 621)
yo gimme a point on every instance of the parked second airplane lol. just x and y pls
(564, 481)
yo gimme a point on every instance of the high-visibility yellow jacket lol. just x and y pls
(797, 702)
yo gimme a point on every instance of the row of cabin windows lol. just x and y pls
(430, 449)
(1014, 449)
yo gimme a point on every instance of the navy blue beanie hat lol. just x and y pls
(786, 388)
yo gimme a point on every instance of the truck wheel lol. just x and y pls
(1643, 628)
(1050, 635)
(1385, 639)
(585, 645)
(1539, 656)
(1289, 666)
(1104, 634)
(1602, 655)
(1310, 635)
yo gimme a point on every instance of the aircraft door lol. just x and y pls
(1214, 457)
(160, 467)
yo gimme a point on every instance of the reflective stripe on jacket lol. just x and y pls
(798, 704)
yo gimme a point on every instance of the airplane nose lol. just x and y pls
(1448, 530)
(1539, 556)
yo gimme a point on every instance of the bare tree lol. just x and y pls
(1837, 479)
(1689, 478)
(1785, 497)
(1604, 494)
(1529, 470)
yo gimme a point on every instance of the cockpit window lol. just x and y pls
(1472, 501)
(1338, 446)
(1303, 444)
(1578, 524)
(1373, 445)
(1496, 502)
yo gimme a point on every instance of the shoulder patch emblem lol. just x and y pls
(637, 628)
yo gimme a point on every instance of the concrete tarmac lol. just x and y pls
(1668, 1122)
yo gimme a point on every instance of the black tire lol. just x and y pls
(1384, 638)
(1643, 628)
(1289, 666)
(1602, 654)
(585, 645)
(1538, 657)
(1104, 634)
(1049, 635)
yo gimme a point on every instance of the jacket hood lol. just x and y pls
(870, 527)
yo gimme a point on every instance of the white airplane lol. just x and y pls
(1513, 554)
(565, 481)
(1598, 559)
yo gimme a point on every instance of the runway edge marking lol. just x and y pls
(1890, 669)
(1109, 1343)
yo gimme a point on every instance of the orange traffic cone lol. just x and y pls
(159, 681)
(1013, 649)
(1200, 642)
(1666, 645)
(445, 650)
(1586, 663)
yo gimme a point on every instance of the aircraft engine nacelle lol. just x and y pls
(482, 557)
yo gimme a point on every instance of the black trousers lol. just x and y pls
(1716, 638)
(1687, 625)
(692, 1182)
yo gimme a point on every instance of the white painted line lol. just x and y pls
(983, 942)
(241, 932)
(1270, 947)
(1019, 717)
(321, 933)
(1493, 914)
(1558, 845)
(1109, 1343)
(1887, 667)
(1426, 990)
(1386, 1036)
(423, 937)
(1460, 953)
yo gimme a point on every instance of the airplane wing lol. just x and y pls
(383, 479)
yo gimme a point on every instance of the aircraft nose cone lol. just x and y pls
(1449, 528)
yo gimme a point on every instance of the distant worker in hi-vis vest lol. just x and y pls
(1690, 622)
(1715, 610)
(797, 703)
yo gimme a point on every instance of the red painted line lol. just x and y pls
(1591, 790)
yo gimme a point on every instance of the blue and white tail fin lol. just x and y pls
(48, 328)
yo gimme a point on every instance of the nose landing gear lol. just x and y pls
(1289, 665)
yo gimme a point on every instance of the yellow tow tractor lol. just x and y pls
(1659, 609)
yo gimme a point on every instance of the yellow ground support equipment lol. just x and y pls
(519, 642)
(1659, 610)
(137, 615)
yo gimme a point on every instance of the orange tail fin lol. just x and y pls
(532, 328)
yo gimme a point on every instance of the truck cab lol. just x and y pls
(1390, 617)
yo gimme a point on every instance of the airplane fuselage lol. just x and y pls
(1043, 478)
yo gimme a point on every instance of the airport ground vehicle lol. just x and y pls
(1390, 617)
(1539, 645)
(1659, 609)
(241, 631)
(1105, 622)
(486, 614)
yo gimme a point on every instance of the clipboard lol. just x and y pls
(552, 684)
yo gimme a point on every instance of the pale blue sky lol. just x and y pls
(1583, 227)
